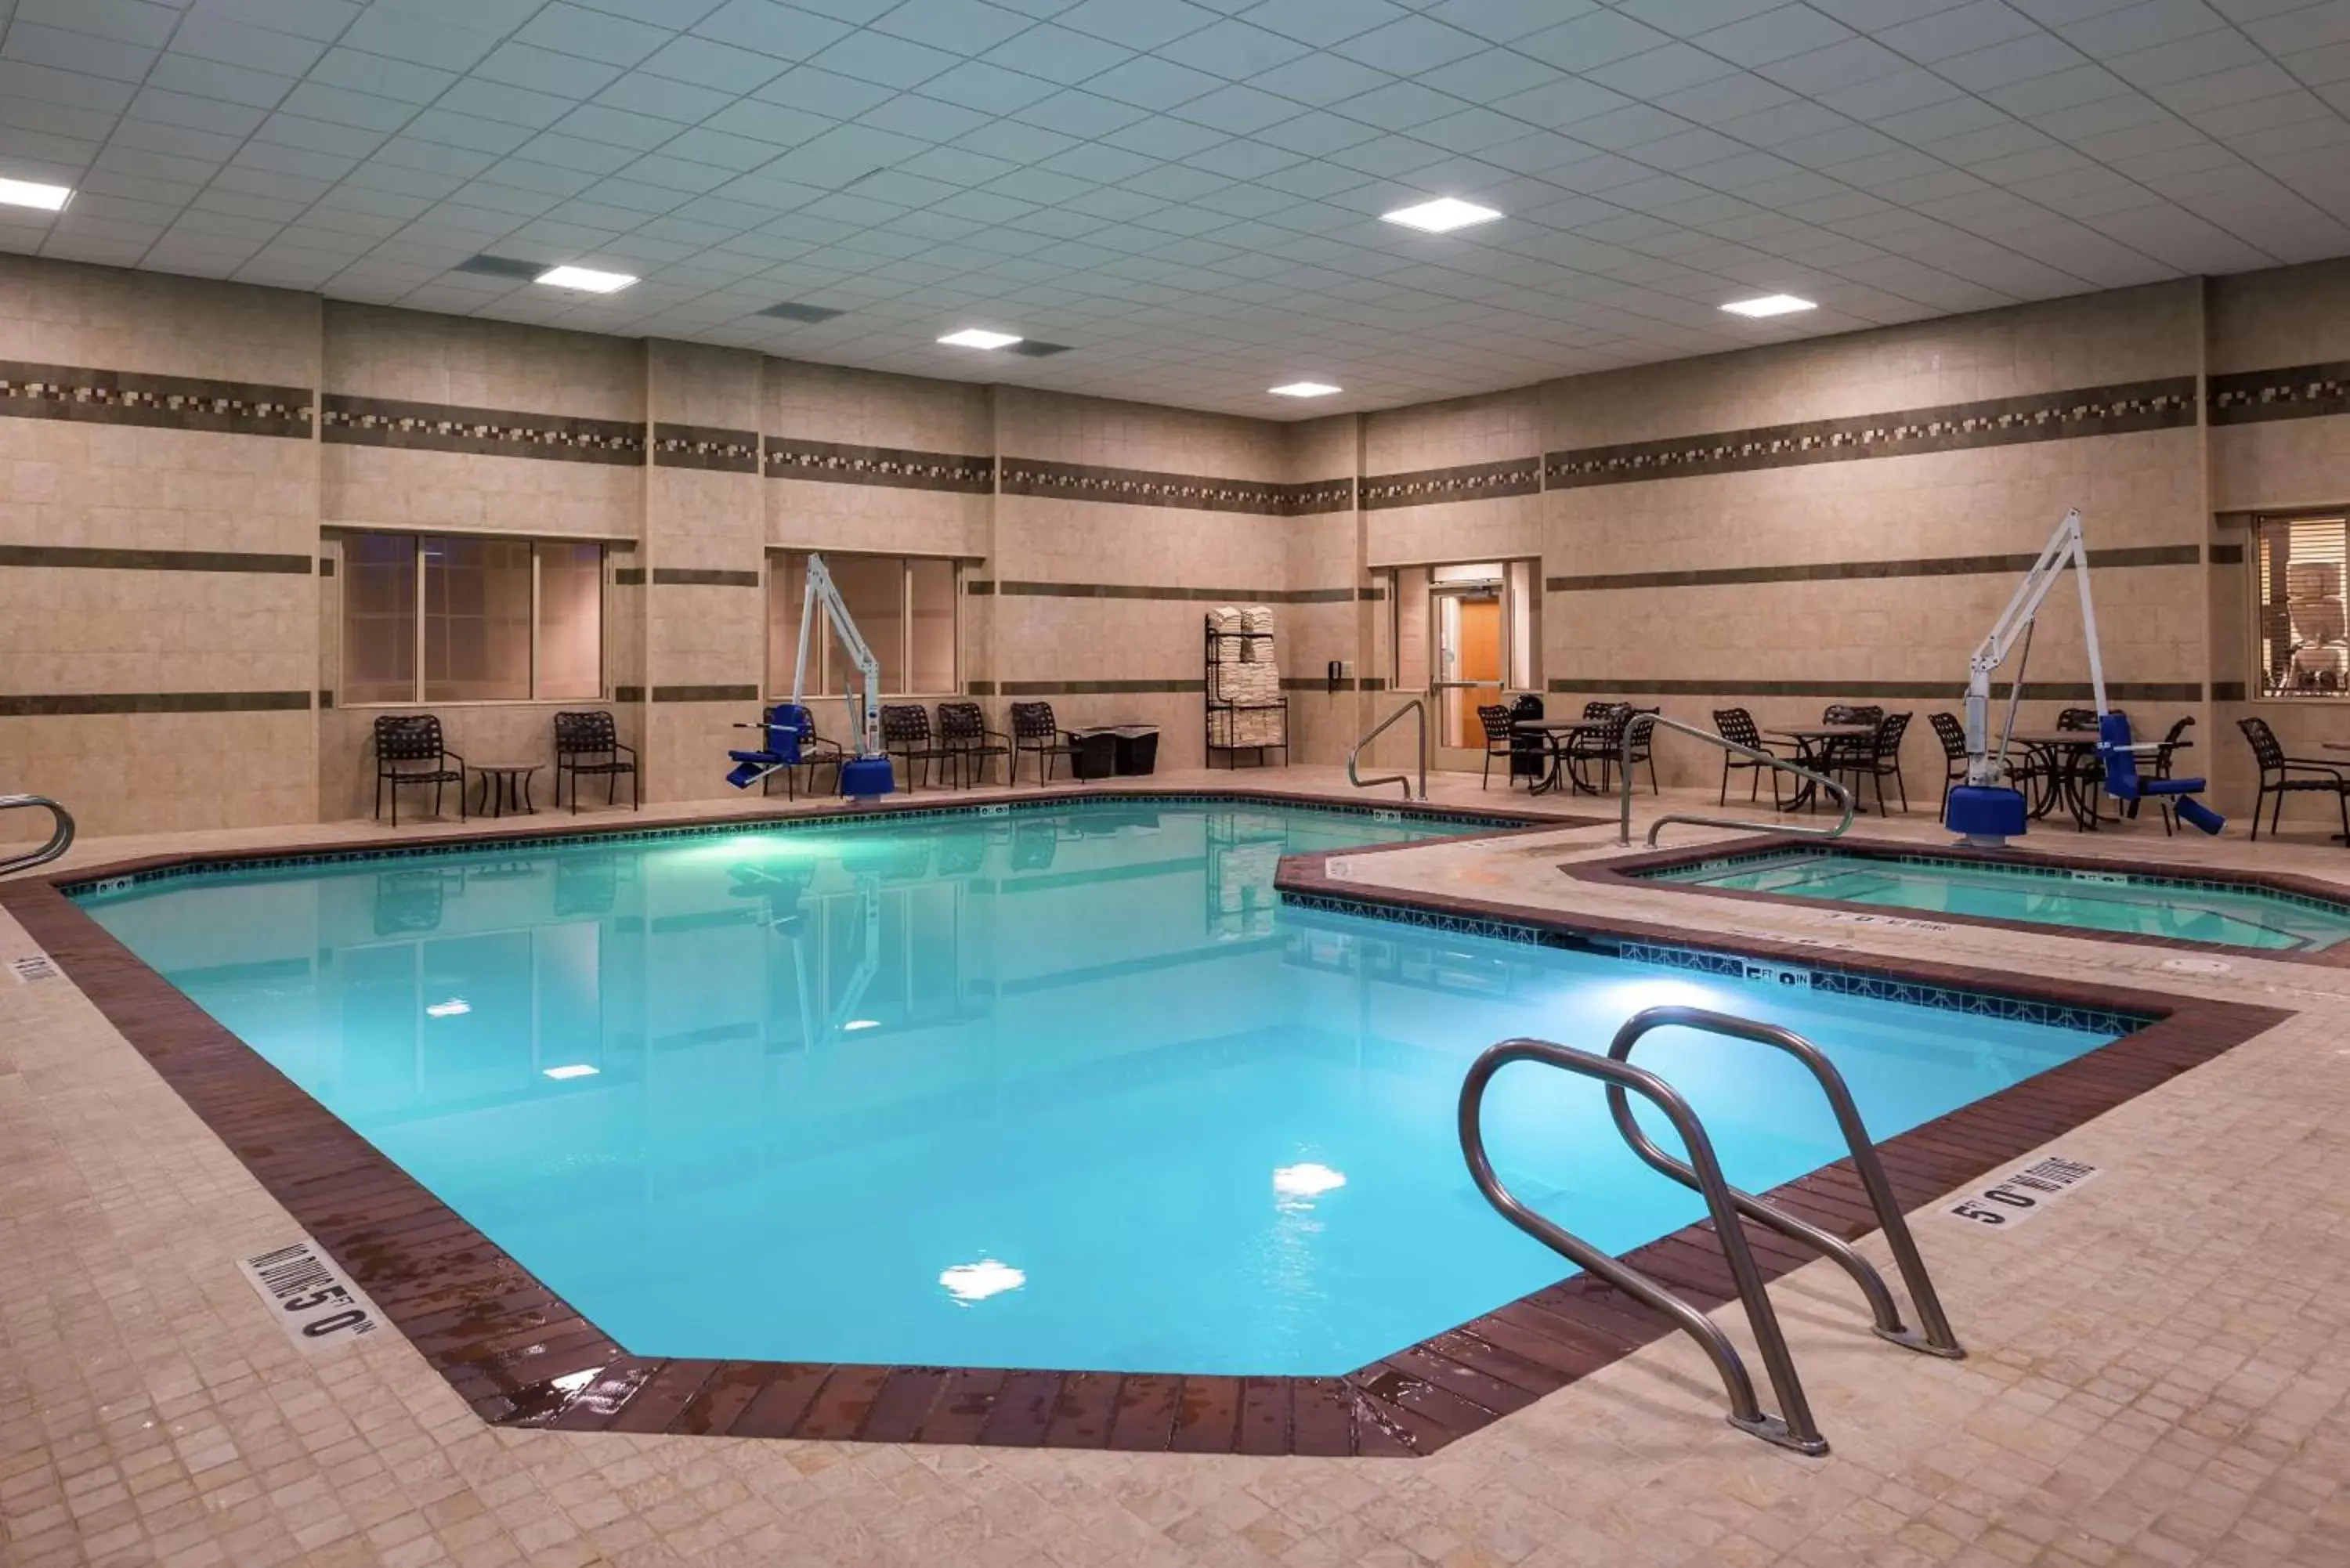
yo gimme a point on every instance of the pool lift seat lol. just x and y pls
(1702, 1170)
(1987, 810)
(788, 728)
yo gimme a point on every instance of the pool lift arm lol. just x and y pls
(789, 726)
(1987, 810)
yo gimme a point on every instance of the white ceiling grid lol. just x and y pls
(1186, 192)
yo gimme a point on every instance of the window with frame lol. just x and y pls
(2303, 645)
(904, 607)
(433, 619)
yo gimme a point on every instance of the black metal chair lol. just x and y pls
(1951, 730)
(1601, 745)
(1882, 761)
(1036, 733)
(965, 739)
(409, 751)
(1843, 755)
(1737, 725)
(2278, 776)
(589, 742)
(906, 732)
(815, 751)
(1500, 740)
(2156, 766)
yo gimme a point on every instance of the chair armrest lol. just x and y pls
(449, 756)
(620, 746)
(2314, 763)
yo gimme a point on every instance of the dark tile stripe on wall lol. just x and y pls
(1151, 591)
(1193, 492)
(706, 446)
(73, 556)
(1322, 683)
(1078, 688)
(1468, 482)
(2120, 410)
(697, 576)
(628, 576)
(628, 694)
(704, 694)
(89, 396)
(1836, 571)
(2287, 392)
(896, 467)
(1922, 690)
(482, 432)
(62, 704)
(2225, 554)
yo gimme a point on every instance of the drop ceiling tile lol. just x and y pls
(507, 104)
(1676, 67)
(779, 32)
(1596, 39)
(2186, 59)
(208, 37)
(1149, 82)
(1837, 69)
(383, 30)
(1081, 115)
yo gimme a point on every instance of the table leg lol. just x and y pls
(482, 802)
(527, 804)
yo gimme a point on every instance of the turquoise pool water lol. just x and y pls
(1059, 1089)
(2092, 901)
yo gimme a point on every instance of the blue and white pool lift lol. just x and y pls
(788, 727)
(1987, 811)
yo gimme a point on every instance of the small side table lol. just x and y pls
(506, 786)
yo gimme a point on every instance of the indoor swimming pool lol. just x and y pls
(1056, 1085)
(2181, 909)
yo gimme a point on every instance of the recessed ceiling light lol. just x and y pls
(980, 337)
(1304, 390)
(577, 1070)
(1440, 216)
(27, 194)
(1770, 304)
(585, 279)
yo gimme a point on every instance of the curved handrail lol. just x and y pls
(1938, 1338)
(1633, 729)
(1796, 1430)
(61, 835)
(1416, 705)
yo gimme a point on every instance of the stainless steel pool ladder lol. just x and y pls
(1417, 705)
(1637, 728)
(62, 833)
(1794, 1427)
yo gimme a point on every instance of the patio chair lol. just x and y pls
(1500, 740)
(1737, 726)
(906, 732)
(589, 742)
(2281, 775)
(2124, 782)
(409, 751)
(1951, 730)
(2157, 768)
(1882, 761)
(964, 739)
(1603, 745)
(1036, 733)
(815, 751)
(1842, 755)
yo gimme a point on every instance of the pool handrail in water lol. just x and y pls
(1796, 1429)
(1641, 726)
(1939, 1339)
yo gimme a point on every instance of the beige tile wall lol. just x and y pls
(117, 487)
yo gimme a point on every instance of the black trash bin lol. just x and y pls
(1138, 748)
(1093, 754)
(1529, 756)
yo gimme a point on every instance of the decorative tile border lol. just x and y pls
(707, 693)
(1873, 571)
(895, 467)
(79, 557)
(1193, 492)
(86, 395)
(482, 432)
(2287, 392)
(706, 446)
(1083, 688)
(66, 704)
(1468, 482)
(1651, 871)
(520, 1356)
(2121, 409)
(1917, 690)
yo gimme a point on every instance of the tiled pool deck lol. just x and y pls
(2160, 1369)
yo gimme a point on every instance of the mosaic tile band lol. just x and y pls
(1468, 482)
(895, 467)
(482, 432)
(2121, 409)
(29, 391)
(705, 447)
(2291, 392)
(1193, 492)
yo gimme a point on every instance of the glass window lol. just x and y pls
(378, 618)
(904, 607)
(457, 619)
(2305, 646)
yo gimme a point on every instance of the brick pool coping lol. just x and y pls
(1634, 870)
(520, 1356)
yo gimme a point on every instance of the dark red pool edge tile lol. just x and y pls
(520, 1356)
(1632, 869)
